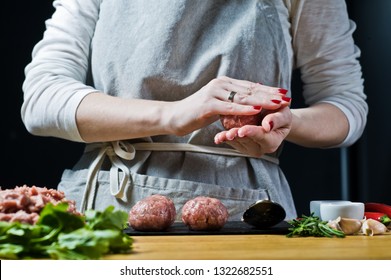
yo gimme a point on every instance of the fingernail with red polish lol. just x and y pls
(287, 99)
(282, 90)
(276, 101)
(271, 123)
(257, 107)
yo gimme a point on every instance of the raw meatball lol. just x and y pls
(204, 213)
(232, 121)
(153, 213)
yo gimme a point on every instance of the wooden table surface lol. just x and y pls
(255, 247)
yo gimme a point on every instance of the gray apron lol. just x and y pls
(167, 53)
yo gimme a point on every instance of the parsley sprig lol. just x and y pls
(312, 226)
(59, 234)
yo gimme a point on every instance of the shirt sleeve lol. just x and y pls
(328, 61)
(55, 79)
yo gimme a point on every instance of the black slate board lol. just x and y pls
(232, 227)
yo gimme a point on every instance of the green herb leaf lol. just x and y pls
(57, 216)
(10, 251)
(108, 219)
(312, 226)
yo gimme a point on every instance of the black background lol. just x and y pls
(313, 173)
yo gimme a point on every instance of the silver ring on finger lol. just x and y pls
(231, 96)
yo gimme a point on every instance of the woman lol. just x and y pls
(144, 84)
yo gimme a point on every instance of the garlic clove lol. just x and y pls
(334, 224)
(350, 226)
(372, 227)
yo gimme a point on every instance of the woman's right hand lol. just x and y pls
(211, 101)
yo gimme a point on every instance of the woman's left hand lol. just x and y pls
(258, 140)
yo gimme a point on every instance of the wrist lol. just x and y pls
(294, 135)
(319, 126)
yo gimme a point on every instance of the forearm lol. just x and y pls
(319, 126)
(101, 117)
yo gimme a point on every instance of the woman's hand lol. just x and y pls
(212, 101)
(258, 140)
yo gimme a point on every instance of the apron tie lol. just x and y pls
(116, 151)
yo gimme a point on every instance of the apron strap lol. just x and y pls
(186, 147)
(115, 151)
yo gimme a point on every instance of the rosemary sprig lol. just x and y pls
(312, 226)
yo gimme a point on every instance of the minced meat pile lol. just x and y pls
(23, 204)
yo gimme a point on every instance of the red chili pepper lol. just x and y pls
(381, 217)
(378, 207)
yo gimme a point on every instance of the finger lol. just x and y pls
(232, 134)
(276, 120)
(270, 89)
(255, 85)
(269, 122)
(227, 135)
(220, 137)
(230, 84)
(266, 101)
(257, 133)
(269, 100)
